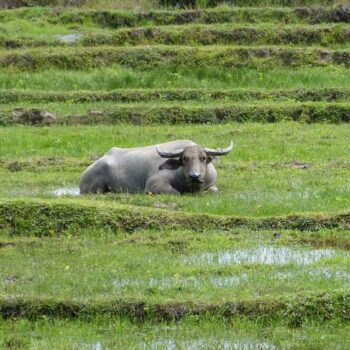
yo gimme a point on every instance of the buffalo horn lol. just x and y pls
(218, 152)
(174, 154)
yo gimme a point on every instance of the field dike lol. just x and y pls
(196, 35)
(309, 112)
(109, 18)
(181, 56)
(247, 35)
(52, 217)
(144, 95)
(292, 310)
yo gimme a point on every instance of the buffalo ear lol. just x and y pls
(211, 159)
(171, 164)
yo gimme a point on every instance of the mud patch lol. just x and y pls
(7, 244)
(10, 279)
(32, 117)
(298, 165)
(261, 255)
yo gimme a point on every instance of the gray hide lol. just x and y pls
(173, 167)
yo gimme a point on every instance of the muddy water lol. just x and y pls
(66, 191)
(261, 255)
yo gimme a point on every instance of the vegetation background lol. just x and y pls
(264, 263)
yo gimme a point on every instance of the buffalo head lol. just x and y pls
(193, 160)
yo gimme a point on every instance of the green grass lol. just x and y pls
(259, 143)
(106, 79)
(83, 19)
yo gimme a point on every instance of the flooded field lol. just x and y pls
(162, 266)
(262, 255)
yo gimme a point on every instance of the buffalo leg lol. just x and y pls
(157, 186)
(213, 189)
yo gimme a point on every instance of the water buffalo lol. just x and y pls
(174, 167)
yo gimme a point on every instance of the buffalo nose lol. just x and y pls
(194, 175)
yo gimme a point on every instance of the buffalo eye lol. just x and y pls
(202, 159)
(185, 159)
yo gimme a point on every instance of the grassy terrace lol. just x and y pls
(203, 34)
(262, 264)
(140, 114)
(53, 20)
(142, 57)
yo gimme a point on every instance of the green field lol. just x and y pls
(262, 264)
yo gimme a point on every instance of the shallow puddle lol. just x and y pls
(326, 273)
(171, 344)
(66, 191)
(69, 38)
(97, 346)
(171, 282)
(197, 282)
(262, 255)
